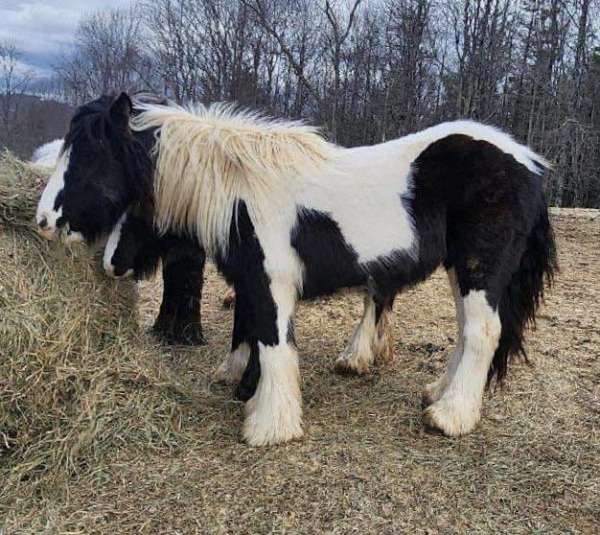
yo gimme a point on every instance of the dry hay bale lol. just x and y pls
(76, 377)
(20, 187)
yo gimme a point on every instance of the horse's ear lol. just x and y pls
(120, 111)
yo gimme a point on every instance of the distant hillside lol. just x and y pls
(28, 121)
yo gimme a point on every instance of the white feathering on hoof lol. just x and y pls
(370, 344)
(274, 413)
(458, 410)
(358, 356)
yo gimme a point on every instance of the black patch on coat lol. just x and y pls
(249, 382)
(329, 262)
(242, 267)
(59, 200)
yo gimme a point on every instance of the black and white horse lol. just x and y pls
(286, 214)
(136, 248)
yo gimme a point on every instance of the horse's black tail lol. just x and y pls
(523, 295)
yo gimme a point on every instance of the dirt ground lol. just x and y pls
(366, 463)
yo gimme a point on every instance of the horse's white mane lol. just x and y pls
(209, 156)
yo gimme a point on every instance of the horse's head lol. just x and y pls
(133, 248)
(103, 170)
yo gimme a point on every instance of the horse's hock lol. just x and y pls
(75, 375)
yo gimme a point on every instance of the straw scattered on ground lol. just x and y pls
(366, 464)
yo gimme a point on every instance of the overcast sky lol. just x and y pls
(44, 28)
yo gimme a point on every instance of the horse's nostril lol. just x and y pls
(43, 223)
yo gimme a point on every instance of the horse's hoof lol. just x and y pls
(190, 336)
(345, 366)
(444, 416)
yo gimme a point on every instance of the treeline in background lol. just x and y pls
(367, 70)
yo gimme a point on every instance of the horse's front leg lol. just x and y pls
(183, 275)
(274, 412)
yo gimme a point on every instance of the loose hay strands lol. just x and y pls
(20, 187)
(76, 378)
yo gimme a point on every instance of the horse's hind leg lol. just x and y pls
(457, 411)
(372, 341)
(482, 274)
(433, 391)
(383, 341)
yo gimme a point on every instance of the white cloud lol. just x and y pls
(43, 29)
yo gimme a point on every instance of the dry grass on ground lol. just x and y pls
(366, 464)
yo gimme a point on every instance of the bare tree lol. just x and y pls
(336, 39)
(369, 71)
(14, 82)
(109, 56)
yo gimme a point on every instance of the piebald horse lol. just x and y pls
(137, 252)
(285, 214)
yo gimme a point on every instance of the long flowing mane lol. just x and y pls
(207, 157)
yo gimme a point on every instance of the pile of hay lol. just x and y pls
(76, 378)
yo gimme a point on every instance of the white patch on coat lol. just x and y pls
(230, 371)
(45, 209)
(363, 194)
(358, 356)
(111, 246)
(459, 408)
(47, 155)
(274, 413)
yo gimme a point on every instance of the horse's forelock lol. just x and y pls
(89, 123)
(92, 124)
